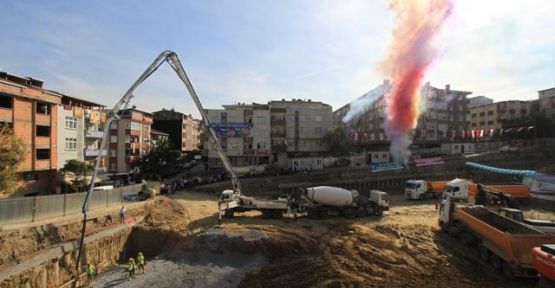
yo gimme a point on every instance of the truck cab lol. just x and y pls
(456, 188)
(380, 198)
(415, 189)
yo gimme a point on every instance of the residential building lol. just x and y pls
(444, 115)
(547, 103)
(243, 131)
(183, 130)
(478, 101)
(298, 128)
(498, 115)
(129, 139)
(156, 136)
(80, 131)
(32, 111)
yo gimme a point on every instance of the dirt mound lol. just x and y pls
(165, 214)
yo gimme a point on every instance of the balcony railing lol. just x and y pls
(94, 153)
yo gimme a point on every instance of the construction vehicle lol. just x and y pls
(517, 215)
(231, 203)
(422, 189)
(325, 201)
(544, 263)
(501, 241)
(464, 189)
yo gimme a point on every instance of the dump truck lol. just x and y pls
(422, 189)
(544, 263)
(463, 188)
(504, 243)
(325, 201)
(545, 226)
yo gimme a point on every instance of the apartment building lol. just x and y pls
(157, 136)
(478, 101)
(444, 115)
(547, 103)
(297, 129)
(498, 115)
(32, 112)
(80, 131)
(129, 139)
(243, 131)
(184, 130)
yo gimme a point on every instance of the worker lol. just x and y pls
(91, 272)
(131, 268)
(141, 262)
(122, 214)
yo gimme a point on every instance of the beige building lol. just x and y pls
(547, 103)
(129, 139)
(496, 115)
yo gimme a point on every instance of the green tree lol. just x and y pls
(77, 172)
(162, 159)
(11, 154)
(338, 142)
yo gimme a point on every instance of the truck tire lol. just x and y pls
(378, 211)
(508, 270)
(312, 213)
(484, 253)
(349, 213)
(229, 213)
(361, 212)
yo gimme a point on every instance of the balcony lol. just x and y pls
(94, 153)
(94, 134)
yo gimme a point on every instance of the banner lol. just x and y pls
(378, 167)
(232, 130)
(428, 161)
(543, 187)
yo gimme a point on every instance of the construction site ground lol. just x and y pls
(402, 249)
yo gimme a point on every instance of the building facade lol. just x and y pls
(31, 111)
(129, 139)
(547, 103)
(183, 130)
(444, 116)
(498, 115)
(478, 101)
(80, 131)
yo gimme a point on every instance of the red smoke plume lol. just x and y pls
(417, 22)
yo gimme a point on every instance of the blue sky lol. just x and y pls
(254, 51)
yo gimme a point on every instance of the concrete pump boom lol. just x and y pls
(123, 103)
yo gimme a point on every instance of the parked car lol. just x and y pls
(509, 148)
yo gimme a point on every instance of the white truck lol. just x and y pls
(325, 201)
(422, 189)
(230, 203)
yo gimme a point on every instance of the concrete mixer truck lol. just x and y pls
(325, 201)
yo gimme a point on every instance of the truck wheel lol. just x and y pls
(229, 214)
(378, 211)
(508, 270)
(496, 262)
(361, 212)
(484, 253)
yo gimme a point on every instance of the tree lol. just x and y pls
(162, 159)
(77, 171)
(338, 142)
(11, 154)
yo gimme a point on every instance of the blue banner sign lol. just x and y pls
(232, 130)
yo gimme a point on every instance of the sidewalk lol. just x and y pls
(75, 217)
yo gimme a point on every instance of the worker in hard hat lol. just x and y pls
(141, 262)
(131, 268)
(91, 272)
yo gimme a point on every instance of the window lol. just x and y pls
(42, 131)
(512, 111)
(71, 143)
(30, 176)
(113, 139)
(135, 125)
(43, 108)
(473, 115)
(113, 166)
(71, 122)
(456, 147)
(375, 156)
(302, 118)
(523, 111)
(490, 122)
(490, 113)
(317, 118)
(318, 131)
(43, 154)
(6, 101)
(473, 124)
(384, 156)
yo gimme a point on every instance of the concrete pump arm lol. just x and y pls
(123, 103)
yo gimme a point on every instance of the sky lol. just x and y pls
(255, 51)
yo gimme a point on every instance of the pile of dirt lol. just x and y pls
(165, 214)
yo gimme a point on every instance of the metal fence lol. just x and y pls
(38, 208)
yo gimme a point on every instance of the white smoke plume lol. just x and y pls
(362, 103)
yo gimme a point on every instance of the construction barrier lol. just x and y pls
(38, 208)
